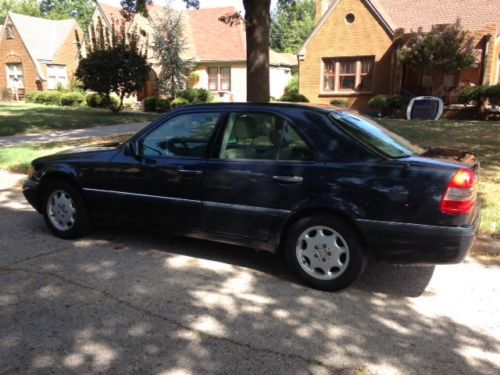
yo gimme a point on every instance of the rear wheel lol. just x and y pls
(64, 210)
(325, 252)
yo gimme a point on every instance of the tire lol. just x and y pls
(64, 210)
(325, 252)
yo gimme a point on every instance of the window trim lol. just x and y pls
(7, 72)
(218, 81)
(338, 91)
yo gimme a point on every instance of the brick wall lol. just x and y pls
(14, 51)
(337, 38)
(68, 52)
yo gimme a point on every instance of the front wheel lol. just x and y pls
(64, 210)
(325, 252)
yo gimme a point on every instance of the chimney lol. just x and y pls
(321, 7)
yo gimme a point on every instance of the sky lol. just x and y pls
(238, 4)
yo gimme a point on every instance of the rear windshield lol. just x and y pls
(375, 136)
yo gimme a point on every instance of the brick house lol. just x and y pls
(217, 51)
(351, 53)
(40, 53)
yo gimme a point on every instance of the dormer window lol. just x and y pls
(10, 31)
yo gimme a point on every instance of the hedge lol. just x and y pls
(72, 99)
(179, 102)
(297, 98)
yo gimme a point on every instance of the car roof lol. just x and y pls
(275, 105)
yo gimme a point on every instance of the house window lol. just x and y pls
(56, 75)
(15, 75)
(213, 84)
(219, 78)
(348, 75)
(10, 31)
(225, 78)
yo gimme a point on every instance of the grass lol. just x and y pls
(35, 118)
(480, 137)
(18, 159)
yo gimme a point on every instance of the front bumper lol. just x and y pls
(422, 244)
(31, 193)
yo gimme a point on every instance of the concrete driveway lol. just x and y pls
(124, 301)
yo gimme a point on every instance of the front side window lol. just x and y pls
(15, 76)
(351, 75)
(57, 76)
(182, 136)
(262, 136)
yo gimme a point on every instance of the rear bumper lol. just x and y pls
(415, 243)
(30, 191)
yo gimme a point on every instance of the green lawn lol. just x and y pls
(480, 137)
(33, 118)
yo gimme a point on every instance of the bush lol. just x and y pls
(30, 96)
(493, 94)
(196, 95)
(162, 105)
(53, 97)
(150, 104)
(179, 102)
(297, 98)
(386, 104)
(5, 93)
(292, 86)
(478, 95)
(340, 103)
(94, 100)
(41, 97)
(72, 99)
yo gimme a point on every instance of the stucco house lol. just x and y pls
(41, 54)
(352, 51)
(216, 50)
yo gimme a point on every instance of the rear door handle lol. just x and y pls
(189, 172)
(288, 179)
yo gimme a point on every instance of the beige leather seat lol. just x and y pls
(245, 131)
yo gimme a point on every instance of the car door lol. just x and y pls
(162, 186)
(262, 169)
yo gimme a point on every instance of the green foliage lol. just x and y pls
(30, 97)
(340, 103)
(196, 95)
(162, 105)
(479, 95)
(150, 104)
(53, 97)
(445, 49)
(386, 104)
(291, 24)
(26, 7)
(72, 99)
(41, 97)
(294, 98)
(5, 93)
(292, 86)
(96, 100)
(81, 10)
(179, 102)
(114, 64)
(169, 44)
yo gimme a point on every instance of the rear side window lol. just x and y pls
(375, 136)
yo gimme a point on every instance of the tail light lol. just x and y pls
(460, 195)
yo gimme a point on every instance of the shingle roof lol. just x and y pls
(412, 14)
(42, 37)
(114, 14)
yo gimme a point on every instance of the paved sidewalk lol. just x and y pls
(69, 135)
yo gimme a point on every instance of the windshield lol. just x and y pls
(375, 136)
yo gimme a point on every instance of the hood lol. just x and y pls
(100, 147)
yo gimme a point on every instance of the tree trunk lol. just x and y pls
(257, 24)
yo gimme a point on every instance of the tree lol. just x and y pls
(27, 7)
(114, 64)
(81, 10)
(445, 49)
(168, 45)
(291, 24)
(257, 21)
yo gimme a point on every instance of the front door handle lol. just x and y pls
(189, 172)
(288, 179)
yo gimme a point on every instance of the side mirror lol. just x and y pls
(132, 149)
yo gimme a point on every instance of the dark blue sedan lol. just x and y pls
(327, 188)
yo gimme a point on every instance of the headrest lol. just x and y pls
(245, 127)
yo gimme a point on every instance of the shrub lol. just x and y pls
(5, 93)
(196, 95)
(478, 95)
(150, 104)
(72, 99)
(162, 105)
(179, 102)
(53, 97)
(386, 104)
(41, 97)
(292, 86)
(30, 96)
(94, 100)
(297, 98)
(340, 103)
